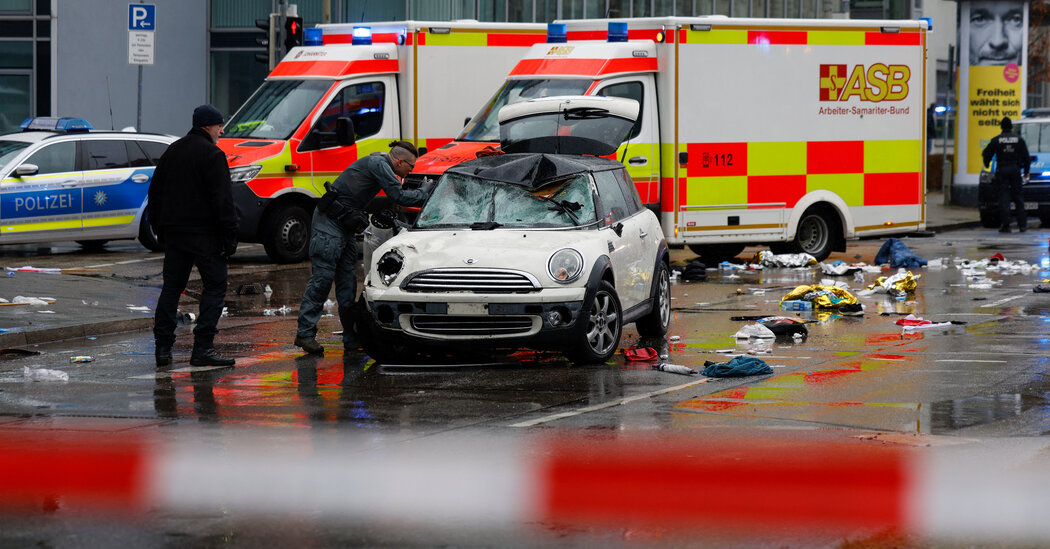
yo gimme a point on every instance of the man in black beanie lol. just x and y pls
(192, 212)
(1011, 161)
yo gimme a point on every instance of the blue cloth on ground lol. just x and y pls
(739, 366)
(897, 254)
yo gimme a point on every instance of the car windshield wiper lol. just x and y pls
(485, 225)
(565, 207)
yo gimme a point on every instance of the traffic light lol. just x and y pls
(270, 40)
(293, 32)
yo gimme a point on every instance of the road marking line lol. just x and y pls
(596, 407)
(964, 360)
(128, 262)
(1001, 301)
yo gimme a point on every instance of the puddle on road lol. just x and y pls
(960, 413)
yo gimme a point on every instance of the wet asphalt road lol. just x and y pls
(981, 382)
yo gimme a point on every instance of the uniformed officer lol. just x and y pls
(1012, 160)
(191, 210)
(338, 217)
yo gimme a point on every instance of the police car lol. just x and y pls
(547, 246)
(1034, 128)
(59, 180)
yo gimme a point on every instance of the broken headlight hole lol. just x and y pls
(389, 266)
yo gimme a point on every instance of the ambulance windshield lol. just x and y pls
(276, 109)
(485, 125)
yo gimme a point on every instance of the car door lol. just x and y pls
(45, 203)
(365, 104)
(623, 230)
(114, 189)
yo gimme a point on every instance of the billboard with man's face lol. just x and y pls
(993, 48)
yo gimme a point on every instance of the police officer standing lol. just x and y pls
(1012, 160)
(339, 216)
(192, 212)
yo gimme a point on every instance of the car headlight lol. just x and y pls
(241, 174)
(389, 266)
(566, 265)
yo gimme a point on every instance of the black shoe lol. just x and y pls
(309, 345)
(210, 357)
(1004, 230)
(163, 354)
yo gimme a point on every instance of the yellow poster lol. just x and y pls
(995, 92)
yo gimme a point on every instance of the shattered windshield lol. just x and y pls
(460, 201)
(485, 125)
(276, 109)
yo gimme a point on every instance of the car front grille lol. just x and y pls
(471, 280)
(472, 326)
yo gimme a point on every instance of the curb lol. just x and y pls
(60, 333)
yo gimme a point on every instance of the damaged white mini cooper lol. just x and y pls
(547, 246)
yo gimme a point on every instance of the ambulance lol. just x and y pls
(798, 134)
(346, 93)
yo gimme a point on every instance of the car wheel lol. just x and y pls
(816, 233)
(93, 245)
(287, 233)
(655, 323)
(990, 220)
(604, 324)
(147, 237)
(716, 253)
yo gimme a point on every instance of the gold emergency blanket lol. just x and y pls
(898, 284)
(823, 297)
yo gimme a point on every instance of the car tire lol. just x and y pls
(990, 220)
(817, 231)
(147, 237)
(655, 323)
(716, 253)
(93, 245)
(604, 324)
(287, 235)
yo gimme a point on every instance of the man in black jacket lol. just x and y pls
(192, 212)
(1011, 161)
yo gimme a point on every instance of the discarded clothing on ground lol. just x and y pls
(695, 270)
(839, 268)
(784, 326)
(738, 366)
(823, 297)
(640, 354)
(897, 254)
(770, 259)
(756, 330)
(912, 323)
(1041, 289)
(897, 285)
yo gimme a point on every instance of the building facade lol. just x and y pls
(70, 57)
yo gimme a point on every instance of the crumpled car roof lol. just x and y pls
(532, 170)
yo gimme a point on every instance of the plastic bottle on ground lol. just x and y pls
(675, 369)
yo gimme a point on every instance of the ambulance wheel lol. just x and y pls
(148, 238)
(716, 253)
(288, 235)
(655, 323)
(93, 245)
(604, 320)
(816, 234)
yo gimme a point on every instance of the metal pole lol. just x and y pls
(138, 117)
(326, 11)
(946, 165)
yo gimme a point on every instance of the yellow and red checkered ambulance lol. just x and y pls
(795, 133)
(346, 93)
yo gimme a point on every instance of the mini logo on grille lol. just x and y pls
(470, 261)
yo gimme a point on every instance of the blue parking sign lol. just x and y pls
(142, 17)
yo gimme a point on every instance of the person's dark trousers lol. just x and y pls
(1009, 185)
(181, 252)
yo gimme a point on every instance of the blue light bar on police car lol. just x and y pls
(362, 36)
(313, 37)
(557, 33)
(617, 31)
(51, 123)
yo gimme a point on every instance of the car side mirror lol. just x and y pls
(344, 131)
(618, 229)
(26, 169)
